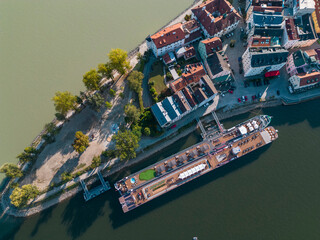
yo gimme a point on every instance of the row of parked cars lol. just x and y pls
(253, 97)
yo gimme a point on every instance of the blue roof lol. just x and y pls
(168, 107)
(265, 19)
(158, 114)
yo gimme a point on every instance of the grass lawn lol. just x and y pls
(156, 76)
(147, 175)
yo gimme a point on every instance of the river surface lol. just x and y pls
(272, 193)
(47, 45)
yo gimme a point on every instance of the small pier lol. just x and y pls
(203, 131)
(97, 190)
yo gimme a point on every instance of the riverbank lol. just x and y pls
(113, 167)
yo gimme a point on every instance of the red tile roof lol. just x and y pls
(190, 52)
(192, 74)
(168, 35)
(167, 59)
(267, 9)
(306, 78)
(189, 97)
(190, 26)
(212, 24)
(260, 41)
(291, 29)
(212, 45)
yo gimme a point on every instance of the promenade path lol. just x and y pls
(59, 156)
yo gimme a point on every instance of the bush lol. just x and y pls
(112, 92)
(60, 116)
(108, 105)
(152, 90)
(66, 176)
(146, 131)
(96, 161)
(109, 153)
(187, 17)
(121, 95)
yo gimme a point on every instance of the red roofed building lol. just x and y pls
(209, 46)
(216, 17)
(173, 37)
(304, 81)
(192, 74)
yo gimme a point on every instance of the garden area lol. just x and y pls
(158, 89)
(147, 175)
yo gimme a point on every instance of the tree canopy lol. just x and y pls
(64, 102)
(29, 154)
(135, 80)
(21, 196)
(126, 144)
(132, 113)
(11, 170)
(96, 161)
(106, 70)
(118, 60)
(91, 80)
(81, 142)
(96, 101)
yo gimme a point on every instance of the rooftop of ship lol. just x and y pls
(195, 161)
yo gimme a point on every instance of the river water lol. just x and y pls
(46, 46)
(272, 193)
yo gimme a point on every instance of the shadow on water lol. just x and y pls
(118, 218)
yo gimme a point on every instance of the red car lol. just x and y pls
(253, 97)
(173, 126)
(239, 99)
(246, 98)
(230, 91)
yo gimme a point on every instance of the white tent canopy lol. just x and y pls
(192, 171)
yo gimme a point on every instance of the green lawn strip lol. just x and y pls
(156, 76)
(147, 175)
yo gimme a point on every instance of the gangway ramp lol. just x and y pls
(204, 133)
(221, 128)
(89, 194)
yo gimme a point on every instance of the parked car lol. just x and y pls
(245, 98)
(230, 91)
(222, 94)
(278, 92)
(259, 95)
(173, 126)
(253, 97)
(239, 59)
(240, 71)
(239, 99)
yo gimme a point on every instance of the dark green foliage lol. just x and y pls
(96, 161)
(81, 142)
(112, 92)
(28, 155)
(126, 144)
(96, 101)
(91, 80)
(11, 170)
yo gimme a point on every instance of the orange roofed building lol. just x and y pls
(192, 74)
(173, 37)
(216, 17)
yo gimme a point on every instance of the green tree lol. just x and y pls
(91, 80)
(11, 170)
(112, 92)
(118, 60)
(187, 17)
(64, 102)
(146, 131)
(126, 144)
(137, 130)
(106, 70)
(135, 80)
(96, 101)
(28, 155)
(108, 105)
(21, 196)
(81, 142)
(96, 161)
(132, 113)
(66, 176)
